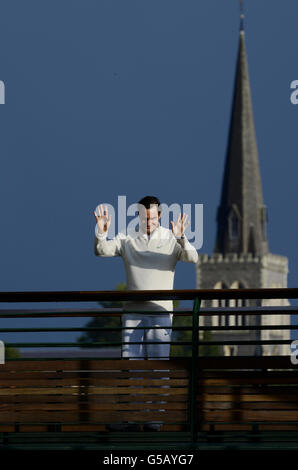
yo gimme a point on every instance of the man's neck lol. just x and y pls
(151, 233)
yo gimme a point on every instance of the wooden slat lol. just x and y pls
(248, 389)
(102, 416)
(249, 427)
(260, 374)
(245, 362)
(226, 427)
(7, 428)
(40, 428)
(83, 427)
(47, 365)
(92, 406)
(277, 397)
(35, 399)
(278, 427)
(249, 415)
(93, 390)
(25, 375)
(83, 383)
(97, 365)
(89, 427)
(245, 406)
(251, 380)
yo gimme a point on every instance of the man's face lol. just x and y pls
(149, 218)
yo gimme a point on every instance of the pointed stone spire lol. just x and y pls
(241, 216)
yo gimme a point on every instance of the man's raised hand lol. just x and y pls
(103, 219)
(180, 227)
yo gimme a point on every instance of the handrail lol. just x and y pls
(117, 312)
(139, 295)
(201, 294)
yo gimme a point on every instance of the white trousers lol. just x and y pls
(145, 334)
(142, 349)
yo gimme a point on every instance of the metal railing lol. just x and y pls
(197, 343)
(197, 314)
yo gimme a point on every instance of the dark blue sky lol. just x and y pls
(113, 97)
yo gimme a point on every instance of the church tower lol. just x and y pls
(241, 257)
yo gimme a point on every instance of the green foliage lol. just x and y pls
(11, 353)
(186, 335)
(104, 322)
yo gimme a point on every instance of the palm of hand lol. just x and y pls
(179, 228)
(103, 219)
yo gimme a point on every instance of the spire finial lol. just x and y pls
(241, 15)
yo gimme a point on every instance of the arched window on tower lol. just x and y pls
(224, 302)
(234, 223)
(230, 350)
(220, 320)
(240, 320)
(264, 221)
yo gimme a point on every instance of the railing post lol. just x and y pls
(193, 377)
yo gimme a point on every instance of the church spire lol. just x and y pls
(241, 216)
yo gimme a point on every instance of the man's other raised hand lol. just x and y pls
(103, 220)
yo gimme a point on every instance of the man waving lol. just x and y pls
(150, 259)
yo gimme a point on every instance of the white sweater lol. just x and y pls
(149, 261)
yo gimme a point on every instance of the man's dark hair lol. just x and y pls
(148, 201)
